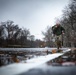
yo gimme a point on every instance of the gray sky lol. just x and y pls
(34, 15)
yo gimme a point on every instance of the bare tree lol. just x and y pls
(69, 23)
(48, 36)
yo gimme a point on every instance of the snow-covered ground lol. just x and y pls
(28, 53)
(24, 66)
(30, 49)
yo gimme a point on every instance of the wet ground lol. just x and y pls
(46, 69)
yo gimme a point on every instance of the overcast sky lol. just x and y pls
(34, 15)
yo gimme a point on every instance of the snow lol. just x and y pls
(24, 66)
(30, 49)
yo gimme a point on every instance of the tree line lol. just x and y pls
(11, 35)
(68, 21)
